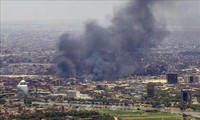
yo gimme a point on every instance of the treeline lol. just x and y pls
(70, 115)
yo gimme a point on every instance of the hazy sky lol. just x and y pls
(56, 10)
(175, 12)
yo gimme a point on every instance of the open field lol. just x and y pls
(139, 115)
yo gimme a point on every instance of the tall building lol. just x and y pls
(191, 79)
(186, 95)
(150, 89)
(22, 87)
(172, 78)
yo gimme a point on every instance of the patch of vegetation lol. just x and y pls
(140, 115)
(72, 115)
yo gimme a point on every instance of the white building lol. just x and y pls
(22, 87)
(77, 94)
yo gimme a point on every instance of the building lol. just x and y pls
(103, 86)
(186, 95)
(73, 93)
(22, 87)
(150, 89)
(172, 78)
(76, 94)
(193, 79)
(58, 83)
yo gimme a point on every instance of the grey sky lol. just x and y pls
(179, 12)
(56, 10)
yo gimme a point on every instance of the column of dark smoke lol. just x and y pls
(112, 52)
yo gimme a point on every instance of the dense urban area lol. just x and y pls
(167, 88)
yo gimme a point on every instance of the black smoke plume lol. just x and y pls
(110, 52)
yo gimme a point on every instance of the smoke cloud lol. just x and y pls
(106, 53)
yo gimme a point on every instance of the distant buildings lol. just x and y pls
(186, 95)
(58, 82)
(22, 87)
(172, 78)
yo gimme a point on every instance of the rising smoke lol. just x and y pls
(111, 52)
